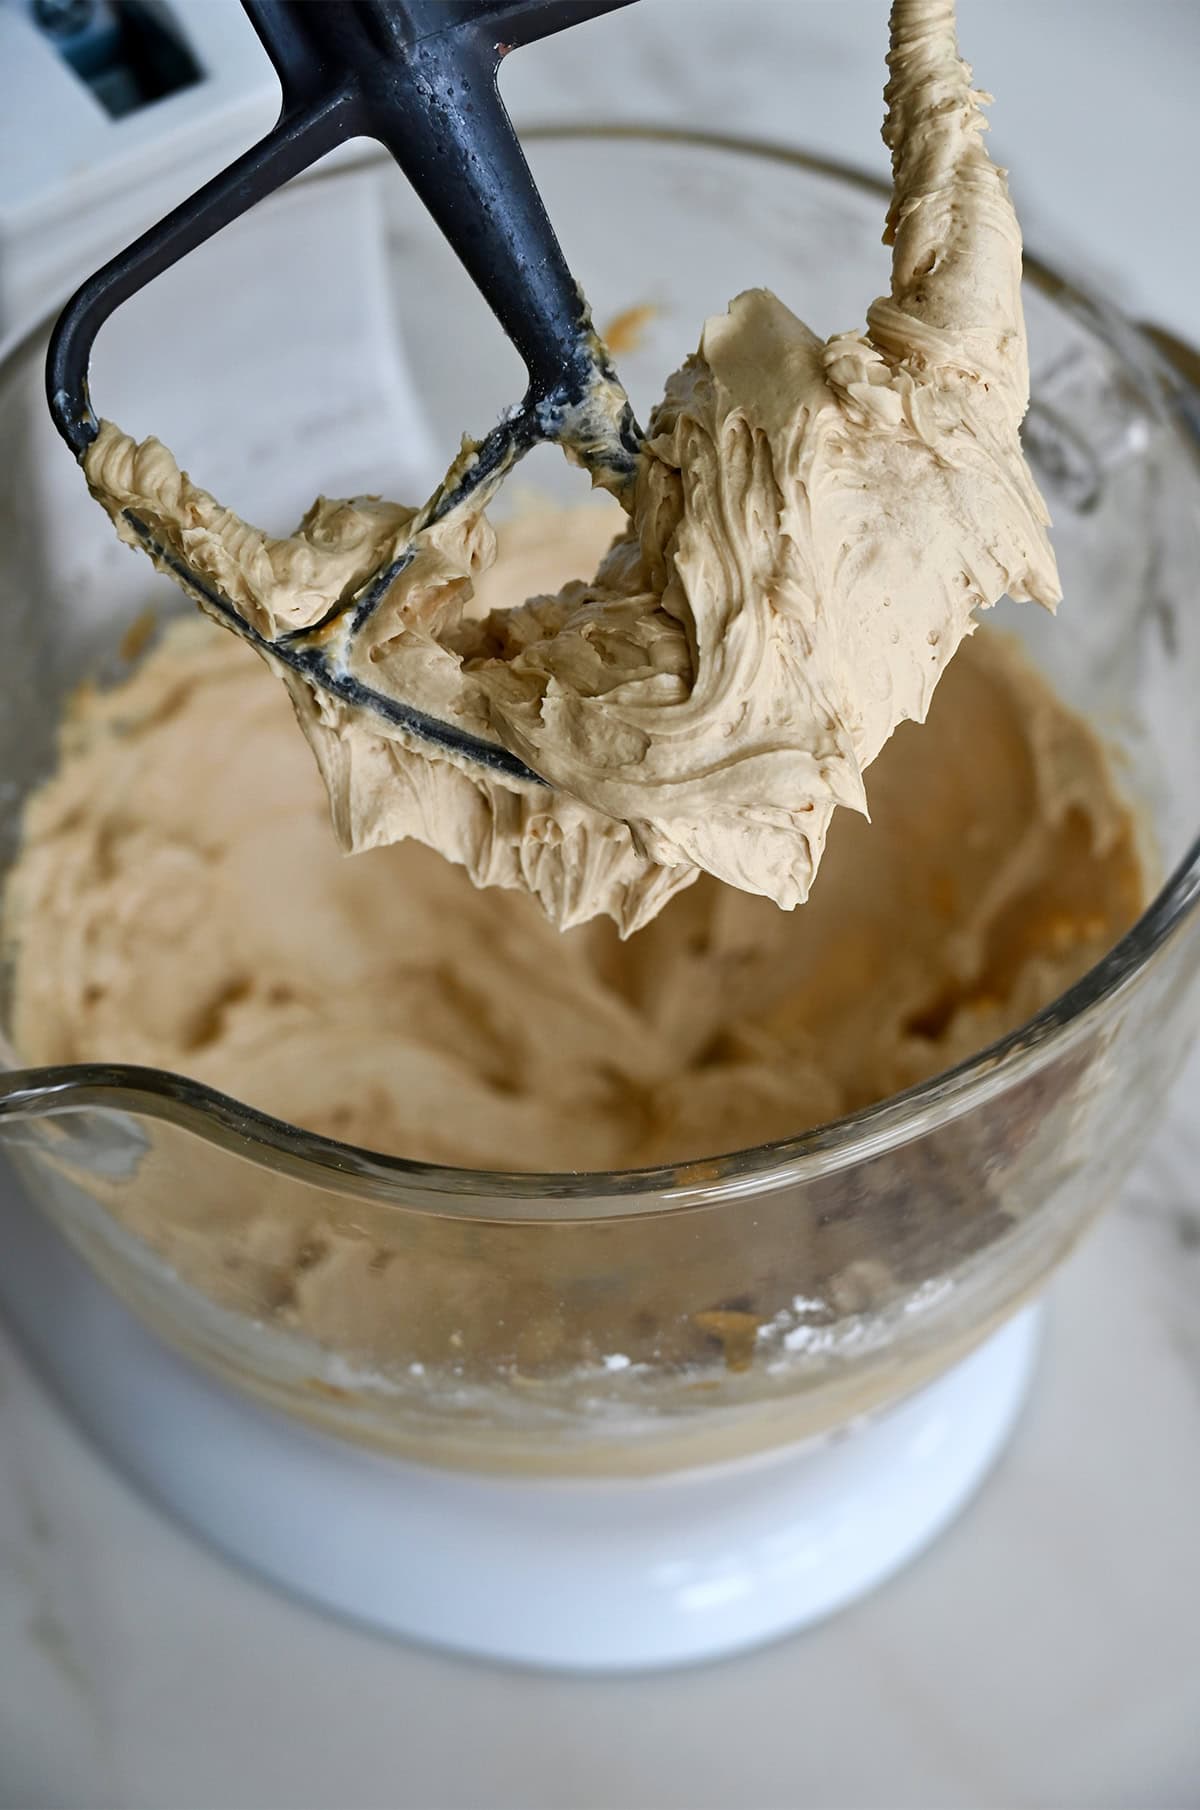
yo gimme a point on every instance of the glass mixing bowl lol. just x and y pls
(604, 1323)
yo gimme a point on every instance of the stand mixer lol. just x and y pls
(749, 1508)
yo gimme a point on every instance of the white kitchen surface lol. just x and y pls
(1047, 1652)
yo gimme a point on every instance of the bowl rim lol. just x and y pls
(159, 1094)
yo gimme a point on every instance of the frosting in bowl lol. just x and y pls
(164, 911)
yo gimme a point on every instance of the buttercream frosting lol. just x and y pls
(165, 912)
(813, 526)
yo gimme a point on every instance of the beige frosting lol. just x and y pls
(813, 525)
(165, 910)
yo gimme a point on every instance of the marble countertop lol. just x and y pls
(1047, 1651)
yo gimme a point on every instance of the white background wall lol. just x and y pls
(1096, 110)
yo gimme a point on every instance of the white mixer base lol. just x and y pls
(586, 1575)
